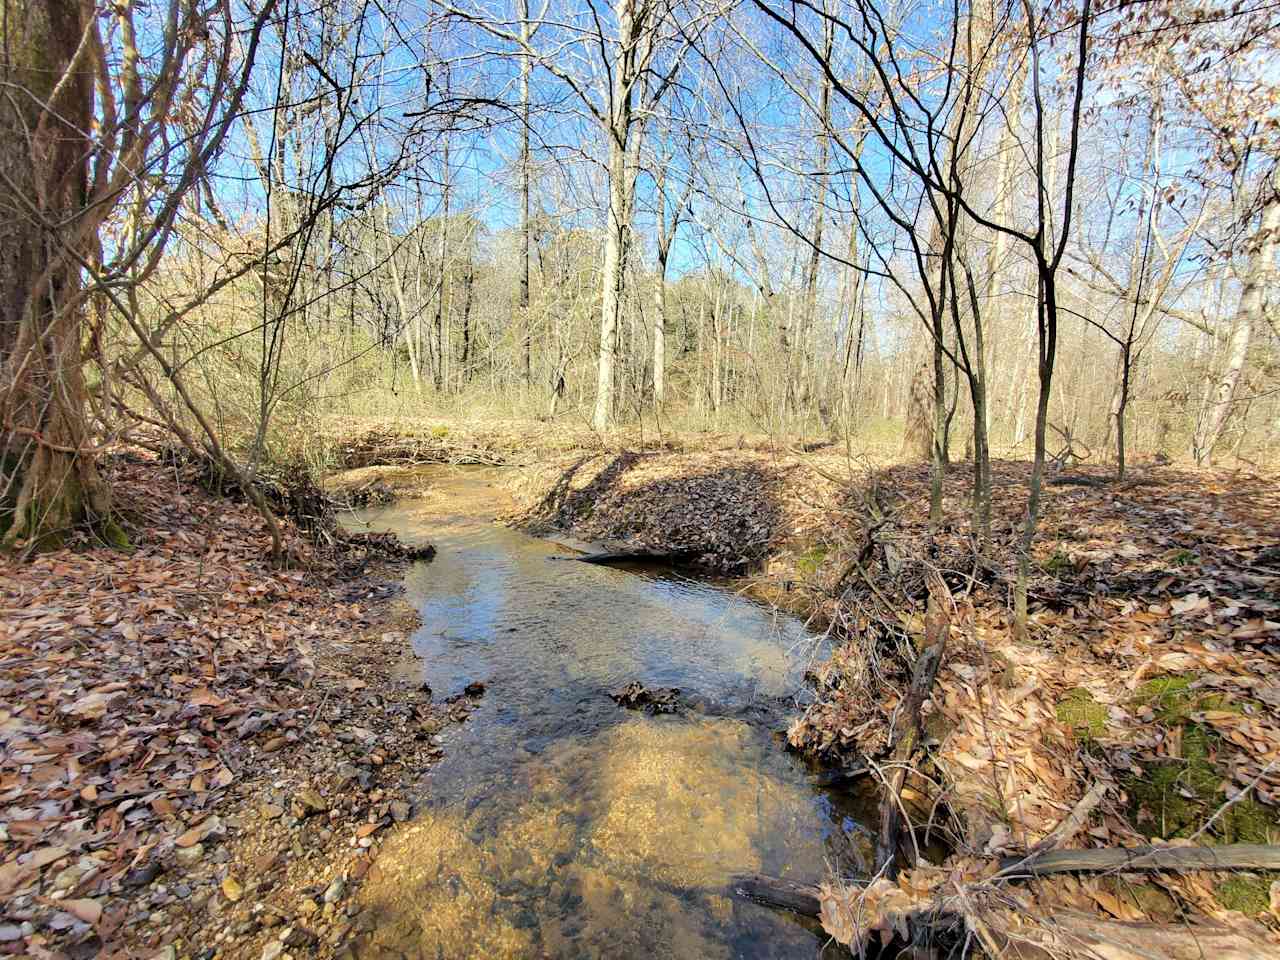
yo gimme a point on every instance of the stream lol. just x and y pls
(561, 825)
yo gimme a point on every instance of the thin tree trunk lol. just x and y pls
(660, 331)
(525, 225)
(1259, 276)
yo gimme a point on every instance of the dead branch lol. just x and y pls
(909, 723)
(1237, 856)
(1068, 936)
(606, 558)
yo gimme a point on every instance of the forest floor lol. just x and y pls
(198, 750)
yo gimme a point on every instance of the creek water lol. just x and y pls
(561, 825)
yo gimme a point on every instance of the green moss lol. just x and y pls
(1170, 698)
(1182, 558)
(1247, 892)
(1250, 822)
(1084, 715)
(1058, 565)
(1175, 798)
(808, 563)
(1173, 700)
(112, 534)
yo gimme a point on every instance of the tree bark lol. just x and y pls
(525, 226)
(49, 482)
(1259, 277)
(618, 219)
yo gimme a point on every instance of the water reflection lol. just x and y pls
(560, 825)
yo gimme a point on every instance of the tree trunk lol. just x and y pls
(802, 386)
(1260, 275)
(660, 331)
(618, 225)
(49, 481)
(917, 441)
(611, 282)
(525, 227)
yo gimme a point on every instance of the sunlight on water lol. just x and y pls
(560, 825)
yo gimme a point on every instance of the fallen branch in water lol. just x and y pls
(605, 558)
(836, 778)
(802, 898)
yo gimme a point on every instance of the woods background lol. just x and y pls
(230, 220)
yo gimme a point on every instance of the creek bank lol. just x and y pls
(1155, 640)
(201, 751)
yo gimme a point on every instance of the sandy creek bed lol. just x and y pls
(561, 825)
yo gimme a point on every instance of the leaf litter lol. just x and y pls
(187, 738)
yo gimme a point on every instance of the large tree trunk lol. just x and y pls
(48, 480)
(917, 440)
(611, 282)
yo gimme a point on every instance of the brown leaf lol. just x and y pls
(204, 697)
(92, 706)
(90, 911)
(47, 855)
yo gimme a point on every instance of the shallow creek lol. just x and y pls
(561, 825)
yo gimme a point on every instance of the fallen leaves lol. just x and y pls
(134, 686)
(90, 911)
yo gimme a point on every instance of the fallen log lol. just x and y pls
(1235, 856)
(1077, 480)
(802, 898)
(605, 558)
(1077, 936)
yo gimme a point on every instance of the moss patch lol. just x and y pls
(1084, 715)
(111, 533)
(1174, 700)
(809, 562)
(1249, 893)
(1058, 565)
(1175, 798)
